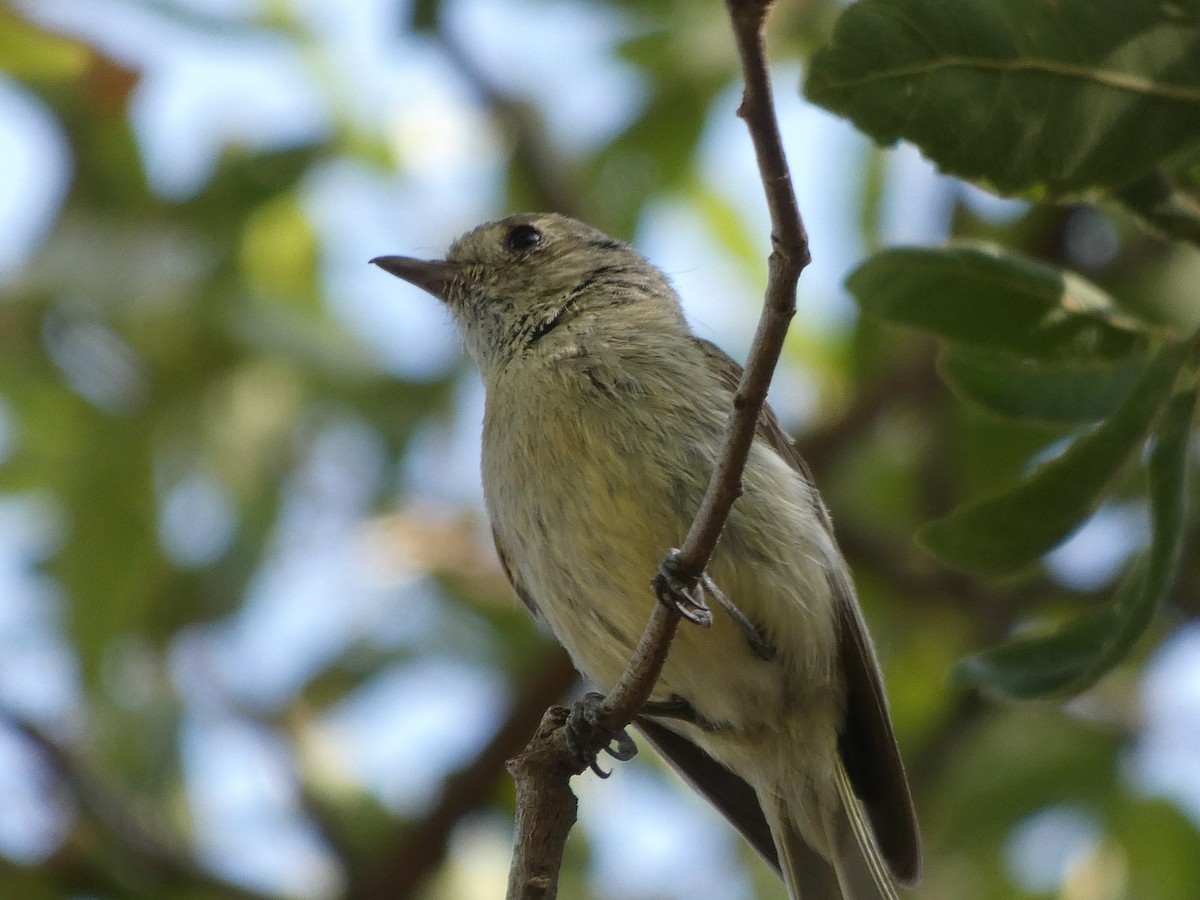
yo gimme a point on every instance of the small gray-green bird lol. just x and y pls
(603, 421)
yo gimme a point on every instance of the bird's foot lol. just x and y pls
(686, 594)
(681, 592)
(586, 736)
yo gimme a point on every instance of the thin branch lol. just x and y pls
(546, 808)
(789, 256)
(637, 682)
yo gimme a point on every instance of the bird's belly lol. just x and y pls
(588, 557)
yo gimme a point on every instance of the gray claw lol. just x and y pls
(681, 593)
(586, 737)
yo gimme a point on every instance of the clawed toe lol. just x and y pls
(679, 592)
(586, 737)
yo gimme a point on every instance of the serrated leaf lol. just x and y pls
(992, 299)
(1048, 393)
(1023, 95)
(1014, 529)
(1076, 655)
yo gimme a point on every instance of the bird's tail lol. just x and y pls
(852, 867)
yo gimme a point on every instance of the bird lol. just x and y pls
(603, 419)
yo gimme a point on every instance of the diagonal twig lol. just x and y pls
(546, 807)
(789, 256)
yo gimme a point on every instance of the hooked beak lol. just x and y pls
(432, 275)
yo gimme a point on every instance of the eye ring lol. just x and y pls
(521, 238)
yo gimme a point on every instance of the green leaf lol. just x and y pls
(993, 299)
(279, 254)
(1168, 509)
(1165, 204)
(1076, 655)
(1040, 666)
(424, 16)
(729, 229)
(1023, 95)
(1006, 532)
(31, 53)
(655, 153)
(1049, 393)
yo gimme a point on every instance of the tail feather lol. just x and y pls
(856, 870)
(861, 869)
(806, 872)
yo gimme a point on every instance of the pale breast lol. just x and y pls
(590, 480)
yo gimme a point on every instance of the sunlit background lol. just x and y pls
(246, 587)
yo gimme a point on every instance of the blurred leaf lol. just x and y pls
(30, 52)
(729, 228)
(31, 883)
(109, 177)
(996, 300)
(1165, 204)
(1011, 530)
(1076, 655)
(654, 154)
(1051, 393)
(244, 181)
(1020, 94)
(111, 564)
(1036, 666)
(1166, 843)
(1036, 756)
(279, 253)
(424, 16)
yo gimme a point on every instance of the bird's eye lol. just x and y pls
(522, 237)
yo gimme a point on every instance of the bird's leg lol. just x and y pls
(759, 645)
(686, 594)
(586, 737)
(675, 708)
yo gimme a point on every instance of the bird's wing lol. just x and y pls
(517, 586)
(866, 741)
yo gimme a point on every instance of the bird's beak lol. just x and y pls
(432, 275)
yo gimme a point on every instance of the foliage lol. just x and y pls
(1069, 85)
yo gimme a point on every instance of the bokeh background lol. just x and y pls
(253, 637)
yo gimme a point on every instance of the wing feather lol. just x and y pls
(866, 742)
(517, 586)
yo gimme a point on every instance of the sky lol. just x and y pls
(202, 91)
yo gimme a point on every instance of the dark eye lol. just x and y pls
(522, 237)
